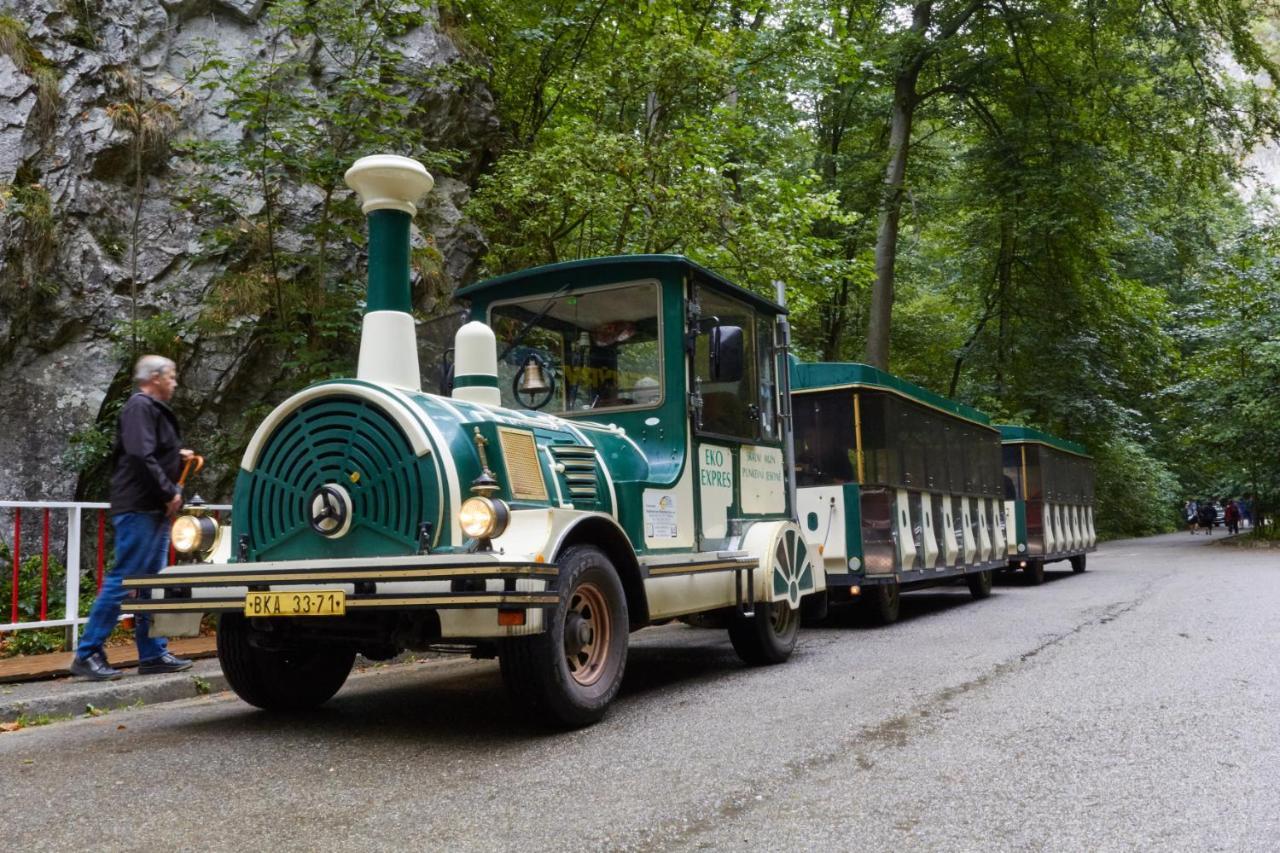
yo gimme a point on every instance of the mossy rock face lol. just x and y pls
(70, 71)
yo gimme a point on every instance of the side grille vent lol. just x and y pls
(579, 474)
(521, 455)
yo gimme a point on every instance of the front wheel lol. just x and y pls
(767, 637)
(288, 679)
(884, 603)
(567, 675)
(980, 584)
(1077, 563)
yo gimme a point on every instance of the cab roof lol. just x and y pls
(825, 375)
(592, 271)
(1010, 434)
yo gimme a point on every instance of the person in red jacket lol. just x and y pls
(1231, 517)
(144, 496)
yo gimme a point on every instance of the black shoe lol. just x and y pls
(94, 668)
(165, 663)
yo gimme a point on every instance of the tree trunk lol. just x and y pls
(904, 106)
(905, 100)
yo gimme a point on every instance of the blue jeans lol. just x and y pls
(142, 548)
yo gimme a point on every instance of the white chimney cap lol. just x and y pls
(389, 182)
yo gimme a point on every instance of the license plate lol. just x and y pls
(328, 602)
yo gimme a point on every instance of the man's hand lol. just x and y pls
(175, 504)
(186, 453)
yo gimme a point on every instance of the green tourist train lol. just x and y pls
(616, 448)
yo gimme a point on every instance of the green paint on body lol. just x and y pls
(389, 261)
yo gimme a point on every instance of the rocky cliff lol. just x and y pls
(68, 192)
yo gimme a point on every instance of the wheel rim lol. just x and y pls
(587, 632)
(782, 618)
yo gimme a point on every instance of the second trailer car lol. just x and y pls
(899, 488)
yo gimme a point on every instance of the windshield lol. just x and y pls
(580, 352)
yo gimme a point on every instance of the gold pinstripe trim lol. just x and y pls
(196, 604)
(692, 568)
(857, 433)
(353, 576)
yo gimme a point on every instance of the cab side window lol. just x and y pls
(729, 408)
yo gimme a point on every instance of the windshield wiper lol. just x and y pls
(519, 338)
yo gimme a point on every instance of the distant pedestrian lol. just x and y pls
(148, 455)
(1231, 517)
(1192, 514)
(1208, 516)
(1246, 511)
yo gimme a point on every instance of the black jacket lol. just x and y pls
(147, 462)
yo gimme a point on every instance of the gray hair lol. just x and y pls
(151, 366)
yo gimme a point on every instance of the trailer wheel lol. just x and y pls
(1034, 572)
(295, 679)
(567, 675)
(979, 584)
(768, 637)
(883, 603)
(1077, 563)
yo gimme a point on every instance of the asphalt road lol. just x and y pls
(1131, 707)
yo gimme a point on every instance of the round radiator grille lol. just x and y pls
(335, 440)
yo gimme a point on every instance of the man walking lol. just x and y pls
(144, 495)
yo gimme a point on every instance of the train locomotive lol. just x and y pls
(614, 453)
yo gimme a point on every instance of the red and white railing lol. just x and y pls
(85, 525)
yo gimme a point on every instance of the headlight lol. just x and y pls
(192, 533)
(483, 518)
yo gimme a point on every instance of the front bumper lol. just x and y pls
(447, 581)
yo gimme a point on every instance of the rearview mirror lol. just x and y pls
(726, 353)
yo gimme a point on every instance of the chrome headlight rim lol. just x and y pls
(484, 518)
(191, 534)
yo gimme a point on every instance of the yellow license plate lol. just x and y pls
(328, 602)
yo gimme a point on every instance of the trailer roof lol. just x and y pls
(615, 266)
(1010, 434)
(807, 377)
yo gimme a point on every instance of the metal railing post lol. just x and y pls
(73, 577)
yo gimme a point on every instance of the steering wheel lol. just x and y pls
(535, 402)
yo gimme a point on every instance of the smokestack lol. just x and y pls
(389, 187)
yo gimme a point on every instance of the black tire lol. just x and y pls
(1034, 573)
(768, 637)
(284, 680)
(566, 676)
(883, 603)
(979, 584)
(815, 607)
(1078, 563)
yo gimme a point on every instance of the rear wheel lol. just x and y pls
(767, 637)
(1077, 563)
(1034, 572)
(288, 679)
(567, 675)
(979, 584)
(883, 603)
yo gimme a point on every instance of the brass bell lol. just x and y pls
(532, 379)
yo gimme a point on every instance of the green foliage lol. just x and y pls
(29, 593)
(1066, 205)
(162, 333)
(1136, 493)
(16, 44)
